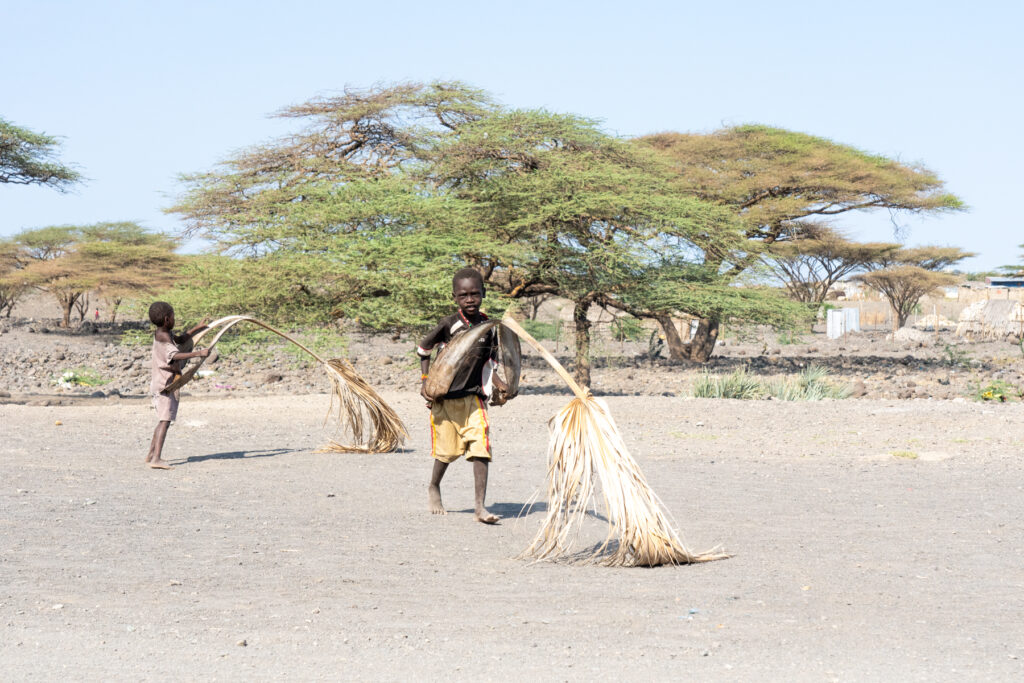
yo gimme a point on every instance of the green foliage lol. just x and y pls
(325, 341)
(136, 338)
(550, 331)
(997, 390)
(788, 337)
(810, 385)
(955, 357)
(737, 384)
(80, 376)
(628, 328)
(29, 158)
(906, 455)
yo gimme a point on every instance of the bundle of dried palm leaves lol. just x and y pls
(374, 426)
(585, 444)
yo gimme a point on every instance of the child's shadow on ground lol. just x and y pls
(234, 455)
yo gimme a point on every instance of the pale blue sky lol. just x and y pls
(143, 91)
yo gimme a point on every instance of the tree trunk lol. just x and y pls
(67, 305)
(704, 339)
(677, 349)
(582, 367)
(899, 319)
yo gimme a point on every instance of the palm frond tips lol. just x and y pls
(585, 445)
(374, 425)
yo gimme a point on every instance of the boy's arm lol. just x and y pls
(182, 355)
(195, 330)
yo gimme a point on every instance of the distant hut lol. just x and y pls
(996, 319)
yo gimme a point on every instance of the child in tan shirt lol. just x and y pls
(168, 361)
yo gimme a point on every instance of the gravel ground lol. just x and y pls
(872, 539)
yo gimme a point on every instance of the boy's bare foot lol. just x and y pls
(434, 494)
(159, 465)
(485, 517)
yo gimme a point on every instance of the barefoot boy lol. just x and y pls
(168, 361)
(458, 420)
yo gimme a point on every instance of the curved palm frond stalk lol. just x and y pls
(374, 425)
(585, 443)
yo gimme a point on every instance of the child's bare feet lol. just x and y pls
(159, 465)
(485, 517)
(434, 494)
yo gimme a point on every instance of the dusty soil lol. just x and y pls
(256, 557)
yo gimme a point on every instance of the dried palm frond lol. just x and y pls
(360, 408)
(364, 408)
(585, 443)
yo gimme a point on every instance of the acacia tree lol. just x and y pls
(559, 207)
(904, 276)
(28, 158)
(331, 221)
(809, 264)
(12, 282)
(115, 259)
(770, 178)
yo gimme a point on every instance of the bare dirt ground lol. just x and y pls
(257, 558)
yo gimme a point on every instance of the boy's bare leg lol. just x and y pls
(480, 480)
(156, 446)
(434, 489)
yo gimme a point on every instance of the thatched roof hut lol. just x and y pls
(997, 319)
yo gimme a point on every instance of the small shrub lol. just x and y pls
(738, 384)
(80, 377)
(956, 358)
(996, 390)
(908, 455)
(810, 385)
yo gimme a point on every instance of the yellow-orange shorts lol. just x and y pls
(458, 426)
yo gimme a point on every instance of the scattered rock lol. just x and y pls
(272, 377)
(858, 389)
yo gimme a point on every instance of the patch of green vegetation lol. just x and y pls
(788, 337)
(627, 328)
(82, 376)
(542, 330)
(810, 385)
(908, 455)
(955, 357)
(738, 384)
(132, 338)
(997, 390)
(326, 342)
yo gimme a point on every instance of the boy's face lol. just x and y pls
(169, 321)
(468, 294)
